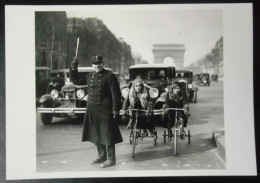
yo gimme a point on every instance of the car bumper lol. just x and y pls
(62, 110)
(79, 111)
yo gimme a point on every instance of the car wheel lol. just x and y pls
(46, 118)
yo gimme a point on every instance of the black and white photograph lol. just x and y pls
(129, 90)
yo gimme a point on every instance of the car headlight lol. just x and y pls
(125, 92)
(190, 86)
(54, 94)
(153, 92)
(80, 94)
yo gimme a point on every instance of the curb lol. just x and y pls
(218, 137)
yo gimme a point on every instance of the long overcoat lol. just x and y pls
(104, 97)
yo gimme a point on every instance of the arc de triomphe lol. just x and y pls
(169, 53)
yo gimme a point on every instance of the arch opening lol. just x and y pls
(169, 61)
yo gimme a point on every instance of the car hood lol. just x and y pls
(71, 87)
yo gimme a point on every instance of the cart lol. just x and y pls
(139, 133)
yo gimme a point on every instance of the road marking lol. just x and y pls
(123, 163)
(44, 161)
(63, 161)
(164, 164)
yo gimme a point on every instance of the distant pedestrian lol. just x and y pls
(100, 122)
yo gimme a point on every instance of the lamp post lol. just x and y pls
(43, 52)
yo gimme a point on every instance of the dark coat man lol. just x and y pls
(104, 102)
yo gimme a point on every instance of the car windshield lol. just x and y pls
(43, 73)
(205, 75)
(148, 73)
(183, 75)
(82, 76)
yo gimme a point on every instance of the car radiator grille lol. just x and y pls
(68, 104)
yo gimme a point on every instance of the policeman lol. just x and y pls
(104, 103)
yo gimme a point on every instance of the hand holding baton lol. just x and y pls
(76, 56)
(74, 63)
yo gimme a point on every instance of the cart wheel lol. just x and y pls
(164, 136)
(131, 137)
(134, 142)
(182, 134)
(155, 139)
(189, 136)
(175, 142)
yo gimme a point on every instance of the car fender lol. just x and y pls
(44, 98)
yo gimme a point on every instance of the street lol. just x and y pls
(59, 146)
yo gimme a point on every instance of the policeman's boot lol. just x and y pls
(111, 157)
(102, 155)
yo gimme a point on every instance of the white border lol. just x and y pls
(238, 99)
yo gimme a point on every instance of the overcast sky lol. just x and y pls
(198, 29)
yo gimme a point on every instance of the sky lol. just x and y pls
(141, 27)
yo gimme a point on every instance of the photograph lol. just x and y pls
(129, 90)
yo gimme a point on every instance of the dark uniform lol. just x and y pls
(104, 97)
(100, 126)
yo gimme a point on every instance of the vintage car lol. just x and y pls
(42, 78)
(214, 77)
(156, 77)
(185, 79)
(69, 101)
(203, 78)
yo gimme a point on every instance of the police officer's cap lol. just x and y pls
(96, 59)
